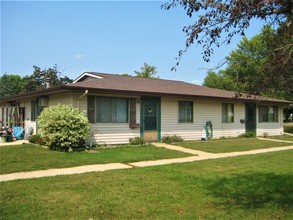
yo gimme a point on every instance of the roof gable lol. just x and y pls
(85, 75)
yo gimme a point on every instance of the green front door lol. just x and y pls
(250, 118)
(150, 119)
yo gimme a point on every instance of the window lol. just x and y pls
(111, 110)
(227, 113)
(185, 112)
(35, 110)
(268, 114)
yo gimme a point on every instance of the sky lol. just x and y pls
(102, 36)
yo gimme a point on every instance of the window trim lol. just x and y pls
(267, 119)
(92, 113)
(179, 107)
(36, 110)
(225, 105)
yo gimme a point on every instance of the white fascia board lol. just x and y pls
(87, 74)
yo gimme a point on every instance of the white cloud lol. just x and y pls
(79, 57)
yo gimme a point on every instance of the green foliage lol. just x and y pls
(147, 71)
(36, 139)
(37, 80)
(219, 80)
(171, 139)
(137, 141)
(10, 84)
(63, 126)
(215, 23)
(249, 134)
(248, 71)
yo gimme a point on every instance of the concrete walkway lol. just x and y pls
(198, 155)
(182, 149)
(63, 171)
(274, 140)
(14, 143)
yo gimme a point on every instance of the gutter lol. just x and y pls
(80, 97)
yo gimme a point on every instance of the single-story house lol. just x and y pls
(123, 107)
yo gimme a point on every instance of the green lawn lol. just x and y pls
(288, 128)
(231, 145)
(244, 187)
(30, 157)
(282, 137)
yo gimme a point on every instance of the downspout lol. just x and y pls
(36, 106)
(80, 97)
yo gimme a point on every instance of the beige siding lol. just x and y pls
(62, 99)
(203, 111)
(271, 128)
(28, 122)
(113, 133)
(169, 121)
(82, 104)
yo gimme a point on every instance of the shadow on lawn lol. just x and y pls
(256, 190)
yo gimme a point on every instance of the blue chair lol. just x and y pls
(18, 132)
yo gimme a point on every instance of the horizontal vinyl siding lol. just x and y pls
(236, 128)
(271, 128)
(62, 99)
(112, 133)
(28, 109)
(169, 121)
(81, 104)
(203, 111)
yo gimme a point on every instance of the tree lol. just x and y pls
(147, 71)
(10, 84)
(279, 63)
(219, 80)
(216, 22)
(38, 79)
(63, 127)
(247, 69)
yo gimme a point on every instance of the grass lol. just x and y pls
(282, 137)
(244, 187)
(288, 128)
(30, 157)
(231, 145)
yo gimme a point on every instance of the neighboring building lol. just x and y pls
(123, 107)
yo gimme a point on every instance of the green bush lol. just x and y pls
(63, 127)
(171, 139)
(136, 141)
(36, 139)
(249, 134)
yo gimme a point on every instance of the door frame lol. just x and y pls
(250, 105)
(142, 106)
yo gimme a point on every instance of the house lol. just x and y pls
(122, 107)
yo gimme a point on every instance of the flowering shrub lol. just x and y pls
(63, 127)
(171, 139)
(36, 139)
